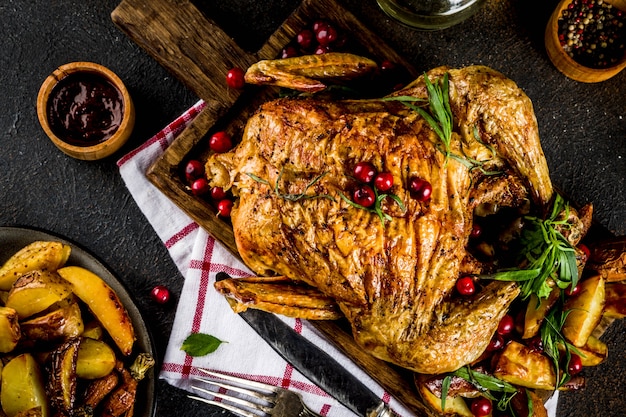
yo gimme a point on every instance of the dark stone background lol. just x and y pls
(583, 129)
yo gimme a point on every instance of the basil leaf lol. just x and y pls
(200, 344)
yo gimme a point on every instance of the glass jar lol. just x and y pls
(430, 14)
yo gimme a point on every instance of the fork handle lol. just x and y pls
(382, 410)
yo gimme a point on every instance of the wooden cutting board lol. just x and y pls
(199, 53)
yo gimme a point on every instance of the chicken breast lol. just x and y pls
(392, 279)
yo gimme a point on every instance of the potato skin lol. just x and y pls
(35, 291)
(62, 380)
(39, 255)
(95, 359)
(61, 323)
(9, 329)
(22, 386)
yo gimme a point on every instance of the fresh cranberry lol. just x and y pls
(326, 35)
(420, 189)
(575, 364)
(364, 195)
(289, 52)
(218, 193)
(506, 325)
(160, 294)
(305, 38)
(465, 285)
(585, 250)
(481, 407)
(383, 181)
(569, 291)
(364, 172)
(220, 142)
(477, 231)
(321, 50)
(387, 65)
(319, 25)
(496, 343)
(535, 343)
(224, 207)
(200, 187)
(235, 78)
(194, 170)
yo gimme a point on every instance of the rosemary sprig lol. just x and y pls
(486, 384)
(293, 197)
(546, 254)
(377, 206)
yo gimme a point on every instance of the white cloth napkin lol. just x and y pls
(199, 257)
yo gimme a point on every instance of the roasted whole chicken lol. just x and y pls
(393, 277)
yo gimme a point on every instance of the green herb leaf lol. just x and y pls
(200, 344)
(377, 209)
(293, 197)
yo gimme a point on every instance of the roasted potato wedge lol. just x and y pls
(536, 312)
(524, 367)
(95, 359)
(9, 329)
(615, 300)
(455, 405)
(103, 303)
(40, 255)
(22, 386)
(585, 310)
(594, 352)
(62, 380)
(93, 330)
(62, 322)
(35, 291)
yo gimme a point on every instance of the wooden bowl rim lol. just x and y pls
(99, 150)
(572, 67)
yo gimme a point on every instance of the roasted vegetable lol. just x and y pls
(95, 359)
(96, 391)
(524, 367)
(62, 322)
(455, 405)
(585, 310)
(33, 412)
(103, 303)
(608, 258)
(9, 329)
(122, 399)
(62, 377)
(35, 291)
(93, 330)
(38, 255)
(536, 312)
(594, 352)
(22, 386)
(615, 300)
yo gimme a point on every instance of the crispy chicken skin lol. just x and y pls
(394, 280)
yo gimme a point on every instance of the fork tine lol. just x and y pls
(242, 381)
(225, 406)
(240, 401)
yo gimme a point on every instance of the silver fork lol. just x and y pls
(274, 401)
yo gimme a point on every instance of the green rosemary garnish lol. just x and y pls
(546, 253)
(293, 197)
(486, 384)
(376, 207)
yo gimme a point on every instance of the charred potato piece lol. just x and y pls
(9, 329)
(22, 386)
(524, 367)
(103, 303)
(40, 255)
(608, 258)
(63, 322)
(95, 359)
(615, 300)
(585, 310)
(594, 352)
(455, 405)
(62, 376)
(35, 291)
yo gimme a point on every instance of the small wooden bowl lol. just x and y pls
(97, 150)
(568, 66)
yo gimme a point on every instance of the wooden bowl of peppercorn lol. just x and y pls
(585, 39)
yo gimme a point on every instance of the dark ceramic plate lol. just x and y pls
(13, 239)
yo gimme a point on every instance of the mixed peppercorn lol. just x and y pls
(593, 33)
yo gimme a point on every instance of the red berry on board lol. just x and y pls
(477, 230)
(364, 172)
(364, 195)
(326, 35)
(575, 364)
(224, 207)
(465, 285)
(194, 170)
(387, 65)
(569, 291)
(318, 25)
(496, 343)
(420, 189)
(289, 52)
(218, 193)
(535, 343)
(321, 50)
(235, 78)
(220, 142)
(506, 325)
(200, 187)
(383, 181)
(481, 407)
(160, 294)
(305, 38)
